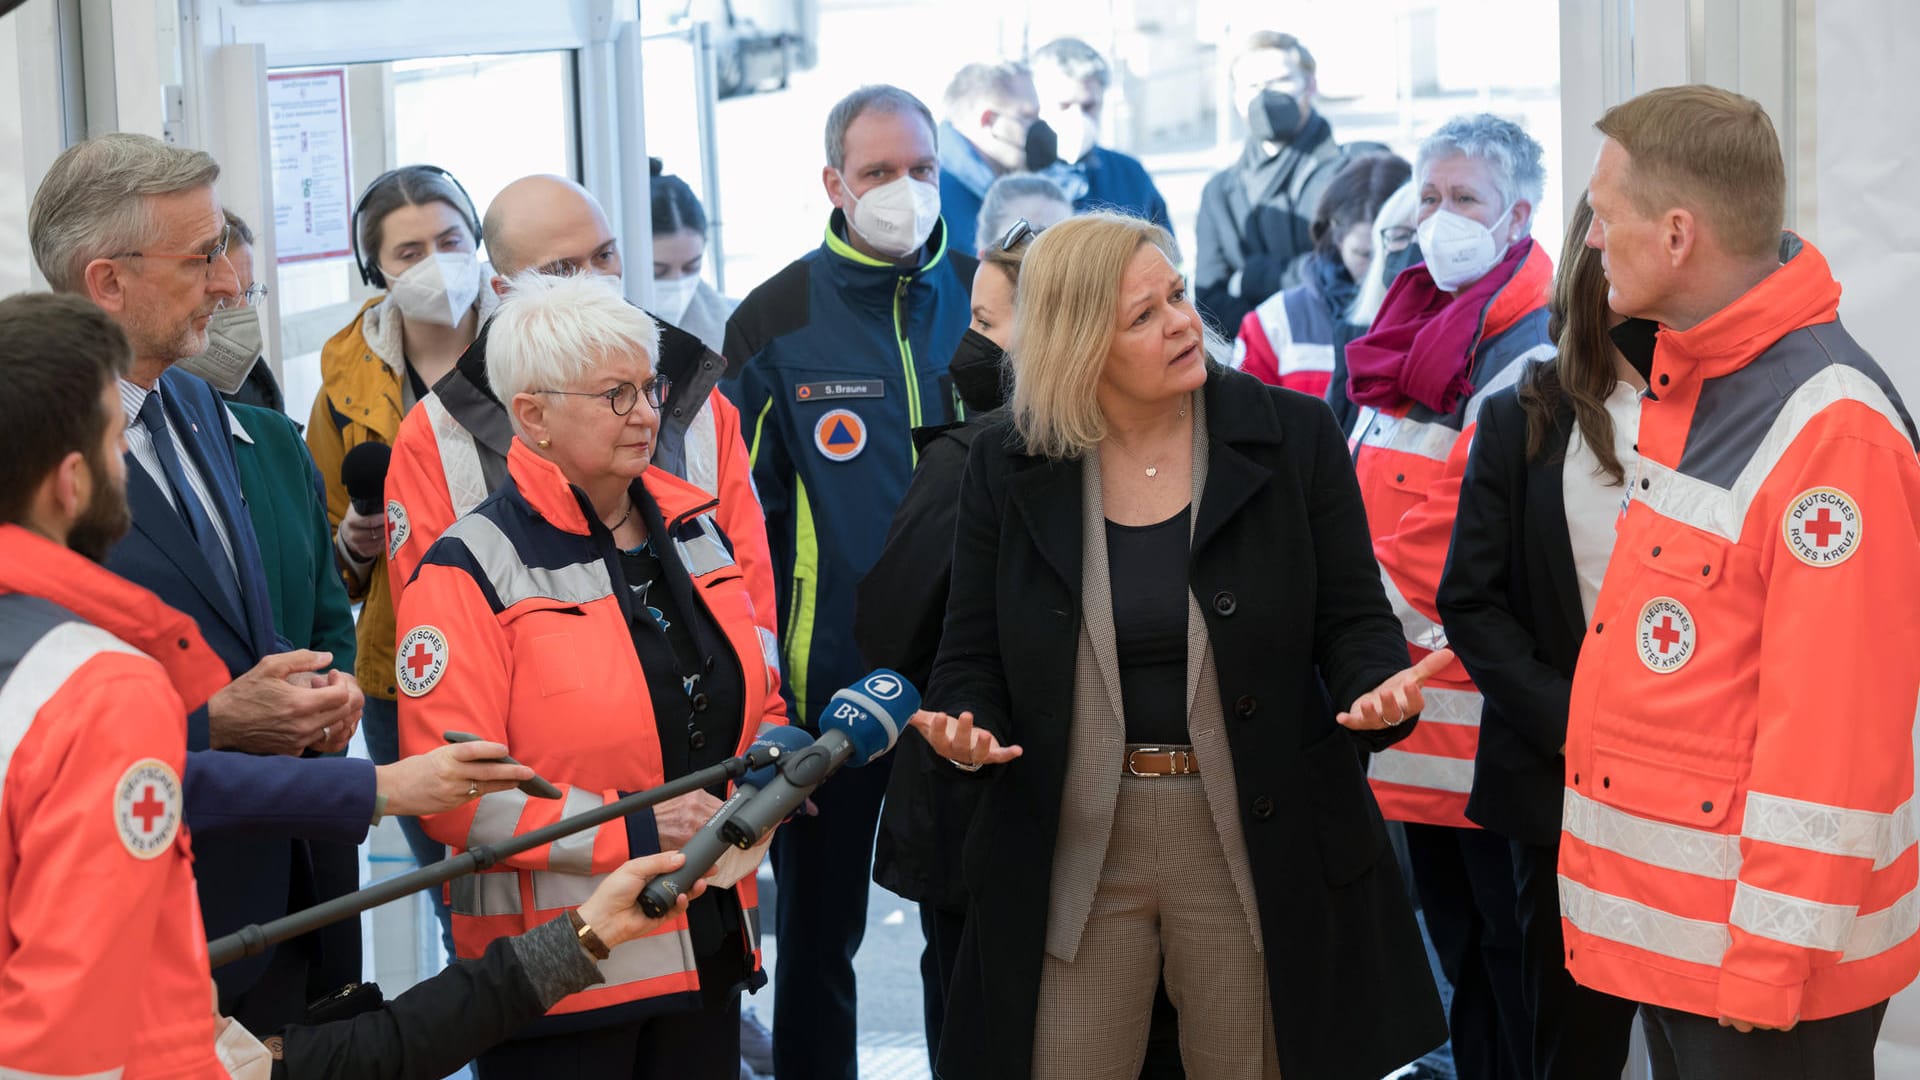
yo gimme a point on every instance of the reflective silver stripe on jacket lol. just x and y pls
(43, 669)
(486, 894)
(514, 581)
(1396, 766)
(1723, 511)
(574, 854)
(459, 457)
(705, 553)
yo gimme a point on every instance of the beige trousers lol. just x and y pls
(1165, 906)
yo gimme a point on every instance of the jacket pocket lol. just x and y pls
(1695, 794)
(1346, 821)
(1684, 555)
(556, 664)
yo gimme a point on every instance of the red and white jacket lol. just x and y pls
(1738, 834)
(1410, 459)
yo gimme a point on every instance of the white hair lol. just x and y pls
(552, 330)
(93, 202)
(1515, 157)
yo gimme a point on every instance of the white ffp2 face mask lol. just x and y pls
(233, 347)
(438, 289)
(671, 298)
(1459, 250)
(1077, 133)
(897, 217)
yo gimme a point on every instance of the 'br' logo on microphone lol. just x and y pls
(884, 687)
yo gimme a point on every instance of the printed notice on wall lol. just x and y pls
(312, 195)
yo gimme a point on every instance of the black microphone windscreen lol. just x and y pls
(364, 472)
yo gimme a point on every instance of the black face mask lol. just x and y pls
(977, 372)
(1275, 116)
(1393, 262)
(1043, 146)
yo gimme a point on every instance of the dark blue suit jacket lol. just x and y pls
(252, 817)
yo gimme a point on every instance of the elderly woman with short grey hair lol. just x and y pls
(1446, 338)
(589, 614)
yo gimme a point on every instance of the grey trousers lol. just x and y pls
(1165, 907)
(1684, 1046)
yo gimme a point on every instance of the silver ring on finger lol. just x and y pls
(473, 791)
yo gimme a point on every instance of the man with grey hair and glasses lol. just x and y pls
(833, 362)
(135, 226)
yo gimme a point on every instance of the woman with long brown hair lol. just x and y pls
(1545, 481)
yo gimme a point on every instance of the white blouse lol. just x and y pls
(1594, 502)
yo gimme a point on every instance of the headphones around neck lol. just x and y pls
(370, 274)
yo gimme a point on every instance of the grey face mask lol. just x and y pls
(233, 347)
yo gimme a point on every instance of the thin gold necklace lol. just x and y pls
(1152, 468)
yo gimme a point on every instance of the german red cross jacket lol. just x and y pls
(1411, 459)
(103, 963)
(1738, 835)
(515, 629)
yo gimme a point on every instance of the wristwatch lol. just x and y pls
(589, 940)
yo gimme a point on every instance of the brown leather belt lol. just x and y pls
(1161, 761)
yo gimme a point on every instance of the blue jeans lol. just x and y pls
(381, 725)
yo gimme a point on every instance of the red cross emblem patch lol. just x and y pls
(397, 528)
(421, 661)
(146, 808)
(1822, 526)
(1666, 636)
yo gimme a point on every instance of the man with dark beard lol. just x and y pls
(96, 676)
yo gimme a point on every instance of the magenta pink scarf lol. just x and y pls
(1421, 345)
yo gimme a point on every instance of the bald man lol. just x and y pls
(452, 450)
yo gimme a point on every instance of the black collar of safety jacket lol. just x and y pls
(873, 280)
(692, 370)
(1635, 339)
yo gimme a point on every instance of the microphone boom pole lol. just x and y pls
(256, 939)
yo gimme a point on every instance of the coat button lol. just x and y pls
(1245, 706)
(1606, 781)
(1599, 628)
(1706, 570)
(700, 703)
(1645, 484)
(1656, 551)
(1400, 478)
(1262, 807)
(183, 643)
(696, 740)
(1664, 380)
(1706, 807)
(1576, 779)
(1224, 603)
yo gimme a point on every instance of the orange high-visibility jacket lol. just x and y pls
(440, 470)
(512, 630)
(1738, 831)
(1410, 460)
(103, 961)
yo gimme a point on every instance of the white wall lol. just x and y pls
(1867, 162)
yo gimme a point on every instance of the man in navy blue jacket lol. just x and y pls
(1072, 79)
(993, 128)
(833, 362)
(135, 226)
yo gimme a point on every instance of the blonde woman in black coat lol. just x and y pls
(1161, 588)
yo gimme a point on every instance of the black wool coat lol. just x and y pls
(1510, 600)
(1283, 569)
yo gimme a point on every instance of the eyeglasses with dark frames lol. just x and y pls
(204, 258)
(621, 399)
(1397, 237)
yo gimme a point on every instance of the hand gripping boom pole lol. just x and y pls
(256, 939)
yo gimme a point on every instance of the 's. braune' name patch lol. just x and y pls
(840, 390)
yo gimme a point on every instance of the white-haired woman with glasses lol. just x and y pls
(589, 615)
(1448, 337)
(1167, 640)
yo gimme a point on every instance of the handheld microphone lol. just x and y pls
(706, 847)
(859, 724)
(364, 472)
